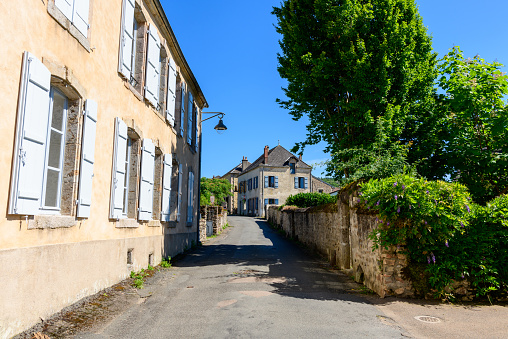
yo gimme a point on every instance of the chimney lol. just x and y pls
(244, 163)
(300, 157)
(266, 154)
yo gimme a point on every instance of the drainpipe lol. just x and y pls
(199, 187)
(263, 189)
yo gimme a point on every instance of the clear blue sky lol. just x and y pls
(231, 47)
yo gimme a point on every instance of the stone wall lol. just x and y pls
(340, 232)
(217, 214)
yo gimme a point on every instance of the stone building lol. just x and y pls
(320, 186)
(232, 177)
(100, 159)
(271, 179)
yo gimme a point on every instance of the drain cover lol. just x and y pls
(427, 319)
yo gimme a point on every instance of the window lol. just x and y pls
(157, 184)
(133, 41)
(167, 177)
(271, 201)
(301, 182)
(249, 183)
(190, 116)
(181, 109)
(272, 181)
(190, 199)
(77, 13)
(320, 190)
(125, 189)
(292, 168)
(54, 150)
(180, 190)
(45, 177)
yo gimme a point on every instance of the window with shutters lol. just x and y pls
(125, 188)
(181, 104)
(292, 168)
(55, 146)
(74, 16)
(133, 46)
(301, 182)
(271, 181)
(158, 184)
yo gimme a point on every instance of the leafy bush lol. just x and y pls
(447, 237)
(219, 188)
(304, 200)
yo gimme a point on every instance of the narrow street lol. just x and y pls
(250, 283)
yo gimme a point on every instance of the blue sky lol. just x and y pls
(231, 47)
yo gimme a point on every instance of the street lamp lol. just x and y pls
(220, 127)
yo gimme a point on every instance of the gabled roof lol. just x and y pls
(324, 182)
(236, 170)
(277, 157)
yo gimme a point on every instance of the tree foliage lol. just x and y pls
(351, 65)
(219, 188)
(476, 121)
(304, 200)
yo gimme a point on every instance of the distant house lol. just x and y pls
(271, 179)
(232, 177)
(320, 186)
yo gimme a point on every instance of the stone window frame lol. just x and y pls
(65, 216)
(66, 24)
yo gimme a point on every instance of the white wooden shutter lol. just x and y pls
(65, 6)
(266, 181)
(146, 182)
(190, 109)
(80, 15)
(196, 130)
(306, 182)
(119, 158)
(296, 182)
(87, 159)
(276, 182)
(190, 198)
(153, 66)
(179, 203)
(127, 38)
(30, 144)
(166, 188)
(182, 109)
(171, 99)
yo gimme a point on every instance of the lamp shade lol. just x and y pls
(220, 126)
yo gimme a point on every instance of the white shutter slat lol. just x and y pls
(87, 159)
(80, 16)
(166, 188)
(33, 116)
(119, 158)
(182, 109)
(147, 179)
(171, 95)
(127, 38)
(153, 66)
(190, 109)
(179, 203)
(65, 6)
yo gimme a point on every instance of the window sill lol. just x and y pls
(67, 25)
(127, 223)
(154, 223)
(134, 91)
(51, 221)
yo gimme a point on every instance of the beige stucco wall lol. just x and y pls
(47, 269)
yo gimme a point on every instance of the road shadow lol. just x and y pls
(292, 271)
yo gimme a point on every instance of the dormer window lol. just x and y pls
(292, 168)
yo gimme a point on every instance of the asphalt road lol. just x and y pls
(251, 283)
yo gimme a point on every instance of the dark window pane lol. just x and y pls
(55, 145)
(51, 188)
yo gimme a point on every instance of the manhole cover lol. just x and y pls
(428, 319)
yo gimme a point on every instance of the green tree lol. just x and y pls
(351, 65)
(476, 116)
(219, 188)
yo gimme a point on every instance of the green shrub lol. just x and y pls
(447, 237)
(304, 200)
